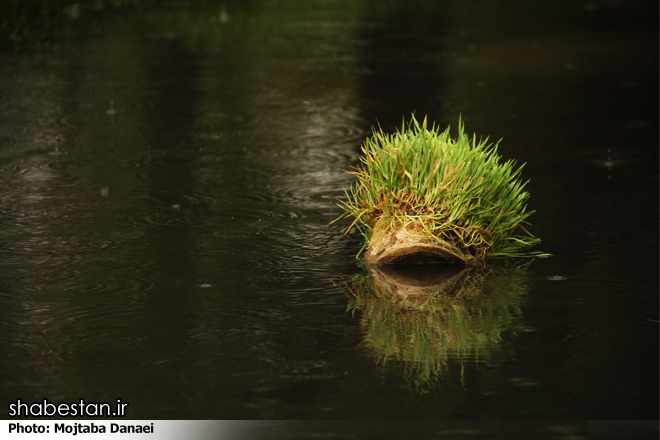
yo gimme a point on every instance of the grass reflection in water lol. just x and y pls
(423, 316)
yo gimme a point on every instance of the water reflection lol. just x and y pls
(166, 184)
(423, 317)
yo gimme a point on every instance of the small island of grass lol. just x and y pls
(421, 196)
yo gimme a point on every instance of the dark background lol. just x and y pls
(168, 171)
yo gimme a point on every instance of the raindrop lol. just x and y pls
(111, 110)
(224, 16)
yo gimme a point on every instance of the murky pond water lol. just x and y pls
(167, 180)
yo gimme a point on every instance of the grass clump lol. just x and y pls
(450, 194)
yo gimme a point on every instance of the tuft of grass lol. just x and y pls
(457, 192)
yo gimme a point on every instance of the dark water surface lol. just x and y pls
(166, 182)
